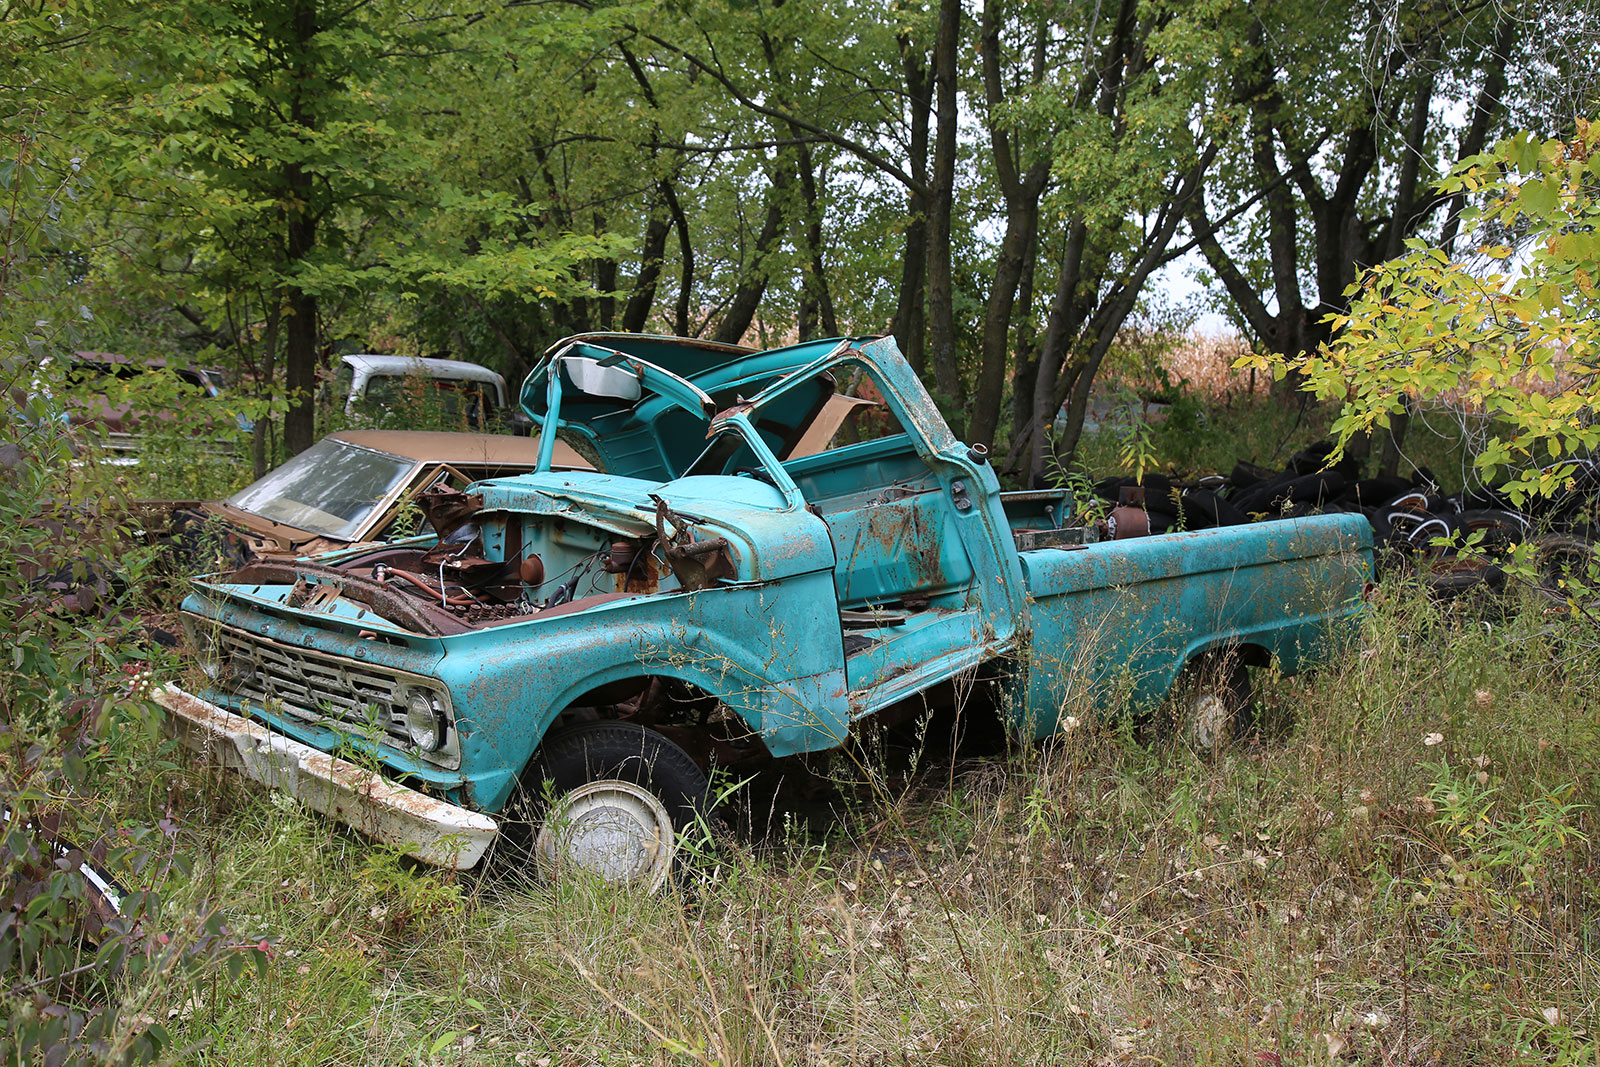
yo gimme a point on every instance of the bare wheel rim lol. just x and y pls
(1210, 718)
(614, 829)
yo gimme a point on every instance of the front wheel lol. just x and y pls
(611, 798)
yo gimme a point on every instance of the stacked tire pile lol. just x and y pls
(1457, 542)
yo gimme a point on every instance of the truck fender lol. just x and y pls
(761, 706)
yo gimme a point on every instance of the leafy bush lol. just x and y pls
(85, 973)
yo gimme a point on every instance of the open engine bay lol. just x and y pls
(495, 567)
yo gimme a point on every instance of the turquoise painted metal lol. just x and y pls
(801, 592)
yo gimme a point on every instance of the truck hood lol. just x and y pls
(642, 404)
(770, 540)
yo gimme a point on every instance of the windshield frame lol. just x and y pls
(678, 391)
(739, 425)
(352, 530)
(902, 393)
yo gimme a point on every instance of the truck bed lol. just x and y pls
(1114, 622)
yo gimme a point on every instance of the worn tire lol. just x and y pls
(103, 897)
(612, 798)
(1211, 704)
(1555, 557)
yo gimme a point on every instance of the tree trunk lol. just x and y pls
(1405, 216)
(816, 299)
(1111, 312)
(910, 326)
(1123, 296)
(651, 253)
(747, 298)
(300, 347)
(1101, 332)
(910, 319)
(680, 311)
(266, 367)
(1078, 284)
(1059, 328)
(1022, 232)
(300, 368)
(941, 281)
(1488, 106)
(1026, 367)
(1021, 189)
(637, 311)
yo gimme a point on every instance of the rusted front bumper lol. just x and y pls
(425, 827)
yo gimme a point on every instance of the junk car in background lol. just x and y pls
(132, 398)
(356, 487)
(407, 391)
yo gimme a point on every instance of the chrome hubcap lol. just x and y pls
(614, 829)
(1209, 719)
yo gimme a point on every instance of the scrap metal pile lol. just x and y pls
(1456, 542)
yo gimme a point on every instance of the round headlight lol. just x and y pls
(207, 652)
(424, 720)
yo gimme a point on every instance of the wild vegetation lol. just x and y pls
(1396, 867)
(258, 183)
(1397, 871)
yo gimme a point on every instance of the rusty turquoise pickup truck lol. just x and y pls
(774, 548)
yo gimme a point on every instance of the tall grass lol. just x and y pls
(1399, 870)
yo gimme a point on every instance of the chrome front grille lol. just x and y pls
(363, 699)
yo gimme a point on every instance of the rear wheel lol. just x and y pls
(612, 798)
(1211, 704)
